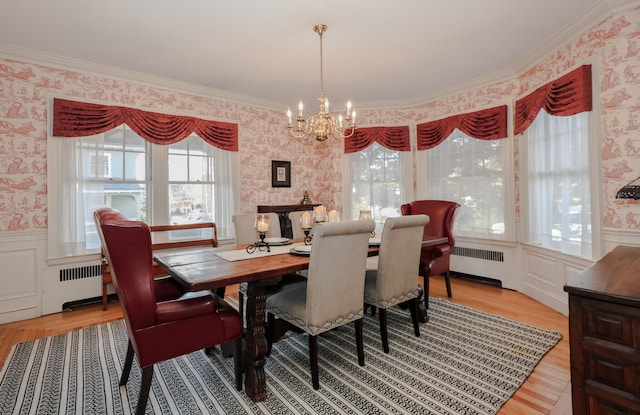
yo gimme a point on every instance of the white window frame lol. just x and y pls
(406, 185)
(594, 169)
(60, 159)
(424, 191)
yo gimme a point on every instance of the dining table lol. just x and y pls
(209, 268)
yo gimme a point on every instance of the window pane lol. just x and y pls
(376, 182)
(557, 173)
(471, 172)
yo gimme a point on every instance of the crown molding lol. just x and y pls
(576, 28)
(592, 17)
(90, 68)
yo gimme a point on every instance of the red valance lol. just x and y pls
(79, 119)
(568, 95)
(489, 124)
(393, 138)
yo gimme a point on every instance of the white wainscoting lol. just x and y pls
(545, 274)
(22, 258)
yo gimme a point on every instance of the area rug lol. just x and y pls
(465, 362)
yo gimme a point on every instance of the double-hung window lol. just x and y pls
(557, 179)
(377, 177)
(466, 158)
(473, 173)
(188, 181)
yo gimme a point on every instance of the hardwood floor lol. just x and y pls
(546, 391)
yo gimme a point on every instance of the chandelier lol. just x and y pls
(322, 125)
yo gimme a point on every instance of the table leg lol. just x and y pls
(255, 384)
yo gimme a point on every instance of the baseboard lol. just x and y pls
(476, 278)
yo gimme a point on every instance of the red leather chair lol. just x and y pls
(163, 322)
(435, 260)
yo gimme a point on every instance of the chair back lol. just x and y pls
(296, 229)
(337, 266)
(399, 258)
(244, 225)
(441, 215)
(127, 246)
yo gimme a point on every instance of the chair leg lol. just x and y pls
(359, 341)
(383, 329)
(313, 361)
(145, 386)
(426, 291)
(413, 307)
(128, 361)
(241, 306)
(239, 362)
(104, 296)
(448, 283)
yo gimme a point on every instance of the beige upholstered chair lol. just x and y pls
(244, 225)
(297, 231)
(396, 279)
(332, 294)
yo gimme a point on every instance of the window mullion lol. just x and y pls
(159, 184)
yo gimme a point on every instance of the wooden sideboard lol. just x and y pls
(283, 215)
(604, 335)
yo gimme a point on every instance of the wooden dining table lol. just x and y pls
(204, 269)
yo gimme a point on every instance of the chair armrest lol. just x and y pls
(182, 309)
(433, 252)
(167, 288)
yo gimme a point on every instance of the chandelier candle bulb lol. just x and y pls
(333, 216)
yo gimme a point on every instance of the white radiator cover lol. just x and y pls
(487, 261)
(70, 282)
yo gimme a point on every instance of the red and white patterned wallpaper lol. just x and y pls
(26, 90)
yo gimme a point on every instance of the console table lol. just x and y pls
(283, 215)
(604, 335)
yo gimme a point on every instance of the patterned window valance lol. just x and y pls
(489, 124)
(568, 95)
(78, 119)
(393, 138)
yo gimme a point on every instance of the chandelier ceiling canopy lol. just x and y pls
(322, 125)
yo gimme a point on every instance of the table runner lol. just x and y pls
(240, 254)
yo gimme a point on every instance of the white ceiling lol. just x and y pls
(383, 53)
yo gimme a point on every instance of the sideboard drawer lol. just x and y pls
(612, 323)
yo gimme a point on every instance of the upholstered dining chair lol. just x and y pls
(436, 259)
(395, 280)
(244, 225)
(161, 323)
(332, 294)
(245, 230)
(296, 229)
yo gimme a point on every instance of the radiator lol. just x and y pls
(70, 284)
(494, 264)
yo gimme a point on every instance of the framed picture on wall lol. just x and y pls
(280, 173)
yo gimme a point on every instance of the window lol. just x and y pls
(376, 180)
(189, 181)
(556, 177)
(471, 172)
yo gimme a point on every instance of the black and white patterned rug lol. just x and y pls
(465, 362)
